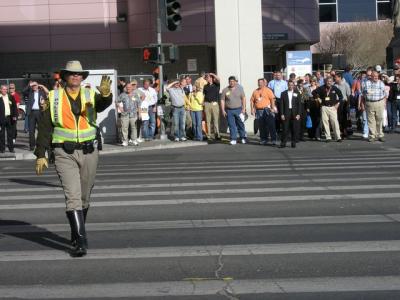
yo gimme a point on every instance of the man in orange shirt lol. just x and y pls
(263, 108)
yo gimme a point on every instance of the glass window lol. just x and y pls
(328, 10)
(384, 9)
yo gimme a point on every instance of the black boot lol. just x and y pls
(85, 212)
(78, 233)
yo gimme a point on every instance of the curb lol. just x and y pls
(26, 155)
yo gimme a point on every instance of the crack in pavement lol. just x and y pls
(227, 291)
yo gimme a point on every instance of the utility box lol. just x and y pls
(106, 120)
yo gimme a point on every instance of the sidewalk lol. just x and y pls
(22, 146)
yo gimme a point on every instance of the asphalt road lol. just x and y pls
(212, 222)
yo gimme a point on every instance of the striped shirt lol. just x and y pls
(374, 91)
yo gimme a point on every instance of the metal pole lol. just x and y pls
(163, 136)
(160, 52)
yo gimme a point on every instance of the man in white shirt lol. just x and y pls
(8, 116)
(151, 97)
(290, 111)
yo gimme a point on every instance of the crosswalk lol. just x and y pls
(276, 226)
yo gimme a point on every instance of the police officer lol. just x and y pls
(68, 125)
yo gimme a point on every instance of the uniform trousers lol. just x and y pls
(77, 174)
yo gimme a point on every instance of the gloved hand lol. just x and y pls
(41, 163)
(105, 86)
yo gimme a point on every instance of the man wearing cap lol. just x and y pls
(233, 107)
(68, 124)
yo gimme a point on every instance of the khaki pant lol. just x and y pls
(212, 114)
(77, 173)
(329, 116)
(126, 123)
(375, 118)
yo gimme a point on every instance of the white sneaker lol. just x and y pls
(233, 142)
(176, 140)
(124, 144)
(244, 141)
(134, 143)
(140, 140)
(365, 136)
(183, 139)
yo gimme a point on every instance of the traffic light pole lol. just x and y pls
(161, 61)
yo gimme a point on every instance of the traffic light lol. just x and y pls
(172, 14)
(150, 54)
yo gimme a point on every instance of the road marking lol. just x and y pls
(133, 290)
(235, 168)
(266, 199)
(38, 182)
(355, 157)
(210, 223)
(210, 191)
(207, 250)
(213, 183)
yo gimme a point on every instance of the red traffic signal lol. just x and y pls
(150, 54)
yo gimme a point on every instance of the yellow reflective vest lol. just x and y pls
(68, 128)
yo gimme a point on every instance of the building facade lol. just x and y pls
(336, 15)
(41, 35)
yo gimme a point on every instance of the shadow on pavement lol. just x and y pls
(32, 182)
(32, 233)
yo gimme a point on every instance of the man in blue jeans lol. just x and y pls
(177, 96)
(233, 107)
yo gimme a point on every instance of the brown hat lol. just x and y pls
(74, 66)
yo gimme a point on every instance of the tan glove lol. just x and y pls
(105, 86)
(41, 163)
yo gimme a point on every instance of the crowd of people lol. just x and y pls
(315, 107)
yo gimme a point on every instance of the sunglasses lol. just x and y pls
(74, 74)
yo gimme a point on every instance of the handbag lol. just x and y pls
(308, 122)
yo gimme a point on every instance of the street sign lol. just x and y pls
(275, 36)
(299, 62)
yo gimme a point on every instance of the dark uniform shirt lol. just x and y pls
(329, 97)
(45, 127)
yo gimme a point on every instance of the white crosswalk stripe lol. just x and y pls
(234, 203)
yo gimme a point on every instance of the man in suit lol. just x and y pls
(290, 110)
(37, 95)
(8, 116)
